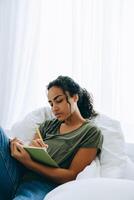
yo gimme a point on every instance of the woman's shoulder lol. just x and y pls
(48, 126)
(92, 129)
(50, 122)
(92, 136)
(91, 125)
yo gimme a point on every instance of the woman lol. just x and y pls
(72, 141)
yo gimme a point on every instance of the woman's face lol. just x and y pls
(58, 102)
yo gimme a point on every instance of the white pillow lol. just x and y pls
(94, 189)
(90, 171)
(129, 169)
(113, 156)
(25, 129)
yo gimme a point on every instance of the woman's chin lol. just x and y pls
(60, 118)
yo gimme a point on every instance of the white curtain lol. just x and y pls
(89, 40)
(19, 37)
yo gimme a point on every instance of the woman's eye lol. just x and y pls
(56, 101)
(59, 101)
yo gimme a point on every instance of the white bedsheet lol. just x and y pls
(94, 189)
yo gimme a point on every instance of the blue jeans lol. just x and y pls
(11, 173)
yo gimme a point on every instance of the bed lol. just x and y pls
(109, 177)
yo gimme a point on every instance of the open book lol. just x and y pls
(40, 154)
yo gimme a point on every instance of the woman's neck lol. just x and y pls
(72, 123)
(74, 119)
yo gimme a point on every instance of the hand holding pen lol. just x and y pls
(38, 140)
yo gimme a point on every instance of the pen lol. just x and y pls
(39, 134)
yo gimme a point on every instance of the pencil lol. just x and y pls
(39, 134)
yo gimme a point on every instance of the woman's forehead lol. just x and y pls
(55, 91)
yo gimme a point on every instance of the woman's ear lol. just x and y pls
(76, 97)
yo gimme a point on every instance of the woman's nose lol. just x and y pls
(55, 108)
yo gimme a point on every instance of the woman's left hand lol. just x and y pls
(19, 153)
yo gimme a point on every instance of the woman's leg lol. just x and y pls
(35, 190)
(10, 169)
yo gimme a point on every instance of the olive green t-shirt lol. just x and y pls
(63, 147)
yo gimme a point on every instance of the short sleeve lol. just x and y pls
(93, 138)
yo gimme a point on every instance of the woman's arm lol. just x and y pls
(83, 157)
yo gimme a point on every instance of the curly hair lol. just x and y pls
(85, 101)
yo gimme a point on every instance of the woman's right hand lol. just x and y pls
(38, 143)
